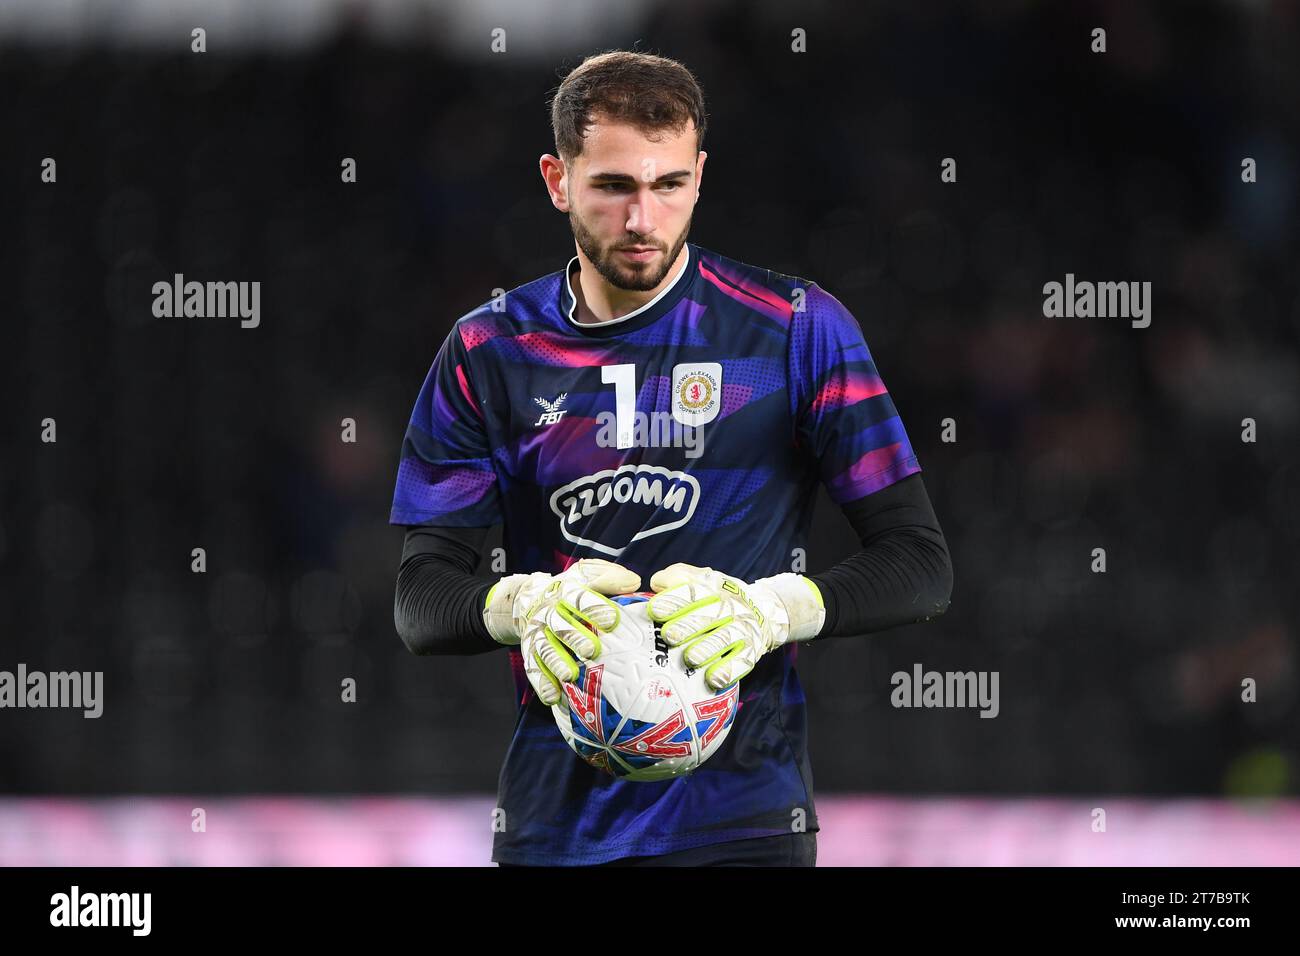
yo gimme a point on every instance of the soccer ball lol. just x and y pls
(637, 711)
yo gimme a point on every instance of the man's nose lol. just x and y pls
(640, 219)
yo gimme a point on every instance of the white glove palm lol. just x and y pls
(726, 624)
(549, 616)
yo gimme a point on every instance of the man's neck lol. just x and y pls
(599, 301)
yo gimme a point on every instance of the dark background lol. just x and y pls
(1071, 433)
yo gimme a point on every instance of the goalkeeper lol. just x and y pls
(770, 388)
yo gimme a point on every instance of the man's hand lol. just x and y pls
(725, 624)
(549, 616)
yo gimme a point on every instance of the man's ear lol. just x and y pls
(556, 176)
(699, 173)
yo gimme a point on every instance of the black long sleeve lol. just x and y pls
(438, 607)
(902, 575)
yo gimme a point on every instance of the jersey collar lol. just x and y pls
(657, 307)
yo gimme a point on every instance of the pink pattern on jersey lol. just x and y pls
(876, 469)
(474, 332)
(548, 348)
(734, 398)
(747, 292)
(465, 390)
(838, 393)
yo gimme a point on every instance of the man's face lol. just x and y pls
(630, 200)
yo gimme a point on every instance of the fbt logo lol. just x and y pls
(550, 410)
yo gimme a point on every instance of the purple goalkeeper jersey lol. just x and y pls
(694, 429)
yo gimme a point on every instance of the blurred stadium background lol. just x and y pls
(1119, 690)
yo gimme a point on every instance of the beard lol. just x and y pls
(631, 276)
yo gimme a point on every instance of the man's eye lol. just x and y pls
(623, 187)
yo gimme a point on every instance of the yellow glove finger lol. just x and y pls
(544, 683)
(573, 630)
(708, 648)
(731, 668)
(553, 654)
(698, 619)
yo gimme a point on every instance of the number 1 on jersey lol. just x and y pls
(623, 378)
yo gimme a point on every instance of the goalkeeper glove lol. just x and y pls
(548, 616)
(725, 624)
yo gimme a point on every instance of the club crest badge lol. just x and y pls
(697, 392)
